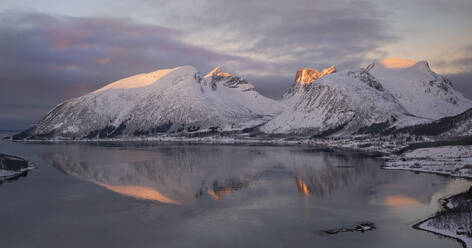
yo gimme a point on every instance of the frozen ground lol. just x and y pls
(454, 220)
(446, 160)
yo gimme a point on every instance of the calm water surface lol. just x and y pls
(213, 196)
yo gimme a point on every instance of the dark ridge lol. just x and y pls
(437, 127)
(27, 135)
(140, 133)
(107, 132)
(375, 128)
(118, 131)
(462, 141)
(192, 128)
(252, 129)
(330, 131)
(367, 78)
(162, 128)
(181, 128)
(23, 134)
(234, 82)
(203, 133)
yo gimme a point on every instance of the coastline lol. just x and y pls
(421, 226)
(449, 209)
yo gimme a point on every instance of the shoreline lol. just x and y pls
(388, 152)
(337, 145)
(418, 226)
(447, 205)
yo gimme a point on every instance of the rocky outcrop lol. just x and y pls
(307, 75)
(217, 72)
(13, 167)
(12, 163)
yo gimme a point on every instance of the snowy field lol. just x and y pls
(446, 160)
(454, 220)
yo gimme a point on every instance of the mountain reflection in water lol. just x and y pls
(182, 175)
(141, 195)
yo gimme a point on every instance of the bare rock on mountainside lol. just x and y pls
(217, 72)
(307, 75)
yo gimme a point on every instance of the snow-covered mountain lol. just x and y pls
(387, 95)
(422, 92)
(165, 101)
(339, 103)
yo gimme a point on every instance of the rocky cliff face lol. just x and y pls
(307, 75)
(217, 73)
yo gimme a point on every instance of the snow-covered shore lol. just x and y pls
(453, 220)
(445, 160)
(453, 160)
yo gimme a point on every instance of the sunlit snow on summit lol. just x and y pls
(397, 63)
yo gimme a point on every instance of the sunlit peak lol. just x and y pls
(217, 72)
(136, 81)
(397, 63)
(308, 75)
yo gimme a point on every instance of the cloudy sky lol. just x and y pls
(52, 50)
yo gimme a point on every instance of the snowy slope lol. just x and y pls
(339, 103)
(173, 100)
(418, 89)
(390, 94)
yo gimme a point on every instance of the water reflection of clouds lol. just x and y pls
(400, 201)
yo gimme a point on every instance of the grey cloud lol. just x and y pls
(462, 82)
(462, 62)
(296, 33)
(46, 59)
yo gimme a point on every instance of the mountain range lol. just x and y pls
(388, 96)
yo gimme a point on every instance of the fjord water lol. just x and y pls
(129, 195)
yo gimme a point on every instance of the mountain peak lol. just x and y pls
(217, 72)
(142, 79)
(308, 75)
(398, 63)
